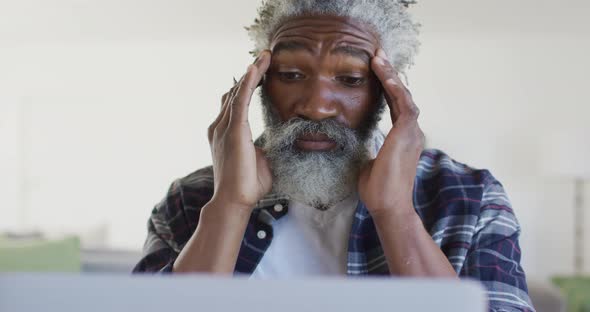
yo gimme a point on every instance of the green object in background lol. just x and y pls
(577, 292)
(40, 255)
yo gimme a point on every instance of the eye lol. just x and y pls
(351, 80)
(291, 76)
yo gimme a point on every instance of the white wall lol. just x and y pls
(119, 95)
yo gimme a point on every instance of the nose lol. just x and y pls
(320, 103)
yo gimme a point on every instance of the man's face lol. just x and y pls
(321, 104)
(320, 70)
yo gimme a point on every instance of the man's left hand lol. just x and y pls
(386, 183)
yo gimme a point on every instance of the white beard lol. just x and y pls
(318, 179)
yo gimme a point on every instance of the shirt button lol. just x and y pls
(278, 207)
(261, 234)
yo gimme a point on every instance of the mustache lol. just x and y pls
(285, 134)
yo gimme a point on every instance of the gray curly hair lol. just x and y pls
(390, 19)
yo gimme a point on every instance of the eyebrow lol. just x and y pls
(354, 52)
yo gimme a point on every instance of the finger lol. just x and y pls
(234, 90)
(241, 102)
(224, 121)
(385, 68)
(389, 79)
(224, 100)
(225, 97)
(215, 126)
(397, 95)
(226, 112)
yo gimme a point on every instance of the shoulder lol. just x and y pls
(199, 180)
(471, 218)
(176, 216)
(440, 175)
(189, 193)
(436, 164)
(193, 190)
(448, 192)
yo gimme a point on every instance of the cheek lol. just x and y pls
(361, 102)
(357, 105)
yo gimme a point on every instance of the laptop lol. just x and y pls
(149, 293)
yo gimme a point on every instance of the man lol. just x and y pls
(323, 192)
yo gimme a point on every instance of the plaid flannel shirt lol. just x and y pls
(466, 211)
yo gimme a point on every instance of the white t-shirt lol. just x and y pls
(308, 241)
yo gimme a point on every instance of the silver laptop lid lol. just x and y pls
(65, 293)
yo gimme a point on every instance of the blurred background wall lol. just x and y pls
(104, 103)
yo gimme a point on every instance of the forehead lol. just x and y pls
(326, 32)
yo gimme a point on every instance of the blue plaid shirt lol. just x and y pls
(466, 211)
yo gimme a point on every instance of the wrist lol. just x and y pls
(397, 218)
(221, 210)
(391, 208)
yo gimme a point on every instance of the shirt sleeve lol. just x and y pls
(158, 255)
(494, 255)
(172, 223)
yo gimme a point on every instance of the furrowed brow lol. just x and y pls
(291, 46)
(354, 52)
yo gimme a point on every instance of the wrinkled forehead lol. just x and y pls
(326, 32)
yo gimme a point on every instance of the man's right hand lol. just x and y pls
(241, 172)
(242, 177)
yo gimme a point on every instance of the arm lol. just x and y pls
(409, 248)
(386, 185)
(241, 177)
(159, 255)
(215, 244)
(494, 256)
(497, 267)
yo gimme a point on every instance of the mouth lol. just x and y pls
(315, 142)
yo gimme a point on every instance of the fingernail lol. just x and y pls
(379, 60)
